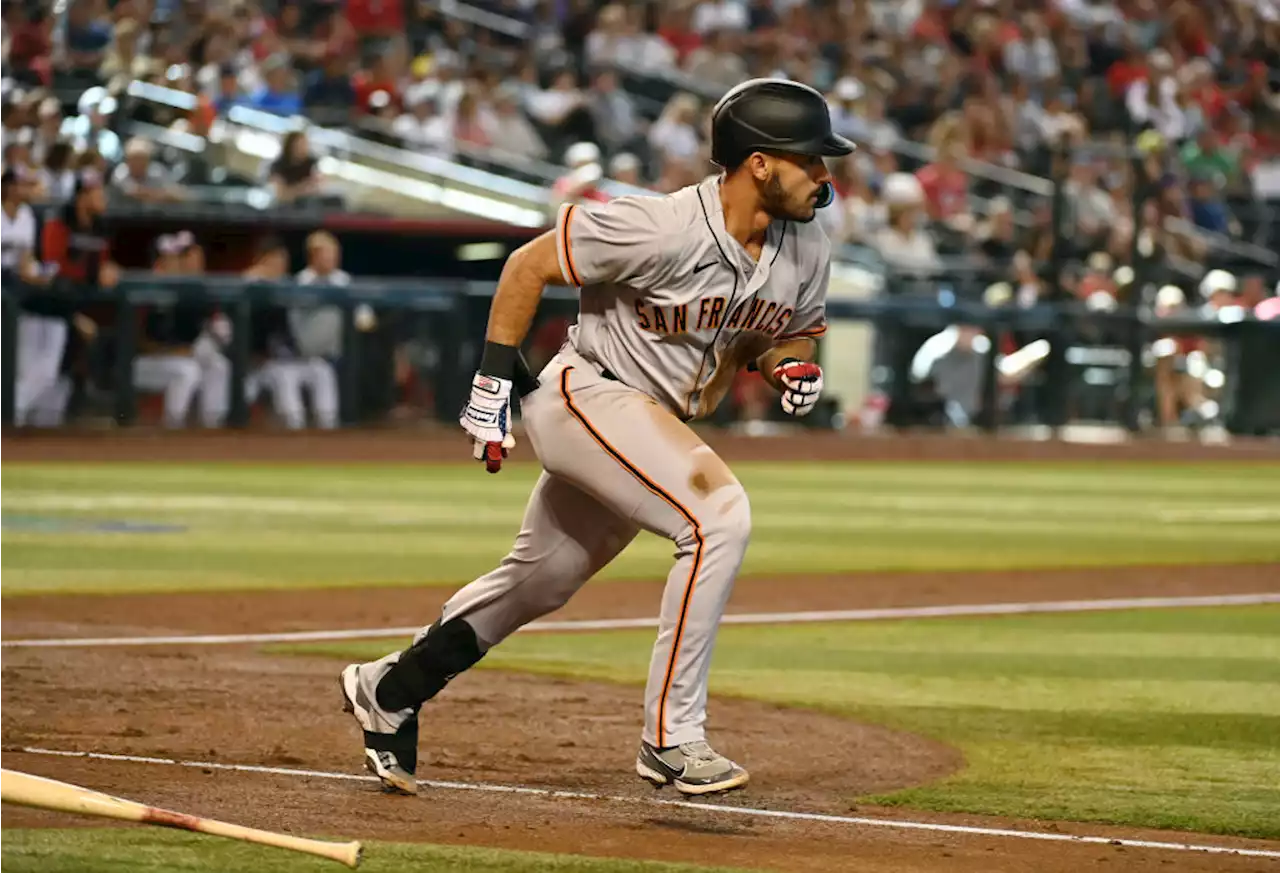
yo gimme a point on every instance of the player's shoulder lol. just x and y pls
(664, 212)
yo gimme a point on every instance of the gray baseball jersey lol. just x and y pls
(674, 306)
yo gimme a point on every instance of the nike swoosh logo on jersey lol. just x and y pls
(698, 269)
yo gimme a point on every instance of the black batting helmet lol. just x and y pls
(773, 115)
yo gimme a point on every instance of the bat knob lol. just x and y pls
(493, 454)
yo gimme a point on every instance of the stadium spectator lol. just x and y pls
(294, 174)
(124, 60)
(29, 43)
(718, 61)
(580, 183)
(278, 93)
(40, 393)
(48, 128)
(56, 180)
(945, 186)
(904, 242)
(178, 354)
(76, 239)
(674, 136)
(330, 86)
(80, 43)
(273, 349)
(510, 130)
(384, 74)
(625, 167)
(614, 113)
(17, 154)
(472, 122)
(424, 128)
(865, 213)
(142, 178)
(315, 334)
(1030, 54)
(561, 110)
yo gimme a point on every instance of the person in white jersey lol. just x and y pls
(678, 294)
(40, 391)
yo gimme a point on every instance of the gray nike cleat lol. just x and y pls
(390, 738)
(694, 768)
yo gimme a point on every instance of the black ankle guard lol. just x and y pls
(427, 666)
(403, 743)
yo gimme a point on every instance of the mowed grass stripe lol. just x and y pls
(321, 526)
(1199, 481)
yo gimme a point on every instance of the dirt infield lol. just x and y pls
(238, 705)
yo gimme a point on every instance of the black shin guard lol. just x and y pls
(428, 665)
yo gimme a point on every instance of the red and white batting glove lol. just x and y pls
(801, 384)
(487, 417)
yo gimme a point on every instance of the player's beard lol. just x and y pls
(777, 203)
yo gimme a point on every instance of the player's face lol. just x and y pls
(791, 190)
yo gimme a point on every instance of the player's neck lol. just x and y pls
(744, 220)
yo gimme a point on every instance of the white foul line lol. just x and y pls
(901, 612)
(900, 824)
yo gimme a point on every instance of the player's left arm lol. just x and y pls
(790, 366)
(802, 349)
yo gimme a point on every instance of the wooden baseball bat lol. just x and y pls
(28, 790)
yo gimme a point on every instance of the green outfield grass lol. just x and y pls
(1162, 718)
(139, 850)
(258, 526)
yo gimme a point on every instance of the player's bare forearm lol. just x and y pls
(802, 349)
(529, 270)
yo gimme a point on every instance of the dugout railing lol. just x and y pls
(453, 314)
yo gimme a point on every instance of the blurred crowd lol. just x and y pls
(1163, 116)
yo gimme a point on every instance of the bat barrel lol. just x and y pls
(36, 791)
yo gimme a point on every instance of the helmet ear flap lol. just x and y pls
(826, 195)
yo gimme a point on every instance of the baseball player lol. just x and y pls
(678, 293)
(178, 353)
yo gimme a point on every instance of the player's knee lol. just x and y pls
(726, 521)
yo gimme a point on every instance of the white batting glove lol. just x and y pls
(801, 383)
(487, 418)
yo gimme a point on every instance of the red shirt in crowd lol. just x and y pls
(365, 86)
(946, 190)
(1124, 73)
(683, 41)
(560, 188)
(376, 16)
(78, 252)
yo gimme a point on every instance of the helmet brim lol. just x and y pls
(836, 146)
(833, 145)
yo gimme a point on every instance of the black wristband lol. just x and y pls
(498, 360)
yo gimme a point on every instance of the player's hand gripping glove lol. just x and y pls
(487, 417)
(801, 384)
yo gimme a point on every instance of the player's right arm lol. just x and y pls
(486, 417)
(526, 274)
(616, 242)
(621, 241)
